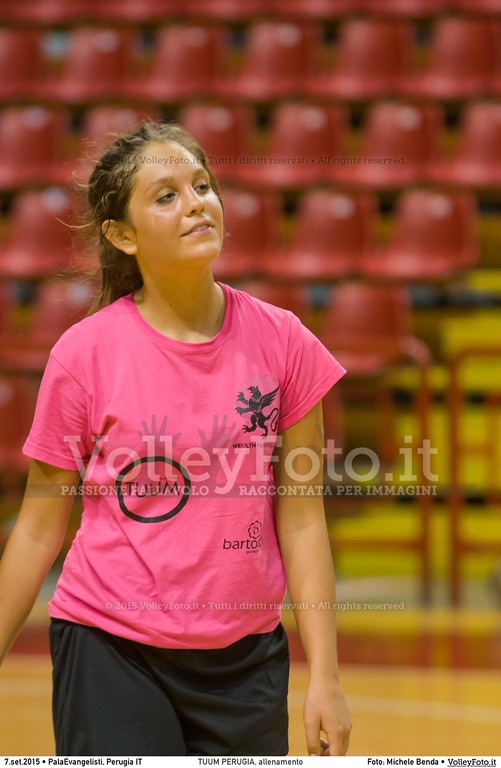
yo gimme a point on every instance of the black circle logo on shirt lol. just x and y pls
(174, 489)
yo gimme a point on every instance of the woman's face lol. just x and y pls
(175, 217)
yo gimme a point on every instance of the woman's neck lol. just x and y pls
(190, 311)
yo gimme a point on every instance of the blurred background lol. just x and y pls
(358, 144)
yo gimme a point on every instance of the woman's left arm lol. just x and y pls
(304, 542)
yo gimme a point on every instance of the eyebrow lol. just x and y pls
(168, 179)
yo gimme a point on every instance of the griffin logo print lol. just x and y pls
(255, 406)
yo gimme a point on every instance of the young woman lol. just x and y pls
(188, 415)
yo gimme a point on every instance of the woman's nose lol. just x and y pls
(194, 202)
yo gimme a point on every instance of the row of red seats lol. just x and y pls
(332, 236)
(434, 237)
(306, 143)
(49, 12)
(279, 59)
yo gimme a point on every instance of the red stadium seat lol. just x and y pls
(102, 123)
(135, 11)
(315, 9)
(460, 63)
(251, 222)
(21, 64)
(366, 325)
(9, 317)
(33, 146)
(408, 8)
(44, 12)
(476, 161)
(100, 127)
(303, 140)
(361, 313)
(369, 330)
(399, 142)
(187, 62)
(279, 59)
(434, 238)
(371, 57)
(496, 78)
(40, 239)
(17, 406)
(6, 307)
(286, 295)
(334, 229)
(224, 10)
(98, 64)
(489, 8)
(59, 304)
(225, 132)
(7, 11)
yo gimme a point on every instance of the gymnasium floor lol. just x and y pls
(419, 682)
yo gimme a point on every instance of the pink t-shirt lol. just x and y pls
(177, 546)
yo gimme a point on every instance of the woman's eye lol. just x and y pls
(203, 187)
(166, 198)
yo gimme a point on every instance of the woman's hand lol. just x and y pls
(325, 710)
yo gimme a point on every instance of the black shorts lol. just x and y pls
(114, 696)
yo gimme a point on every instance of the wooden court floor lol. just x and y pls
(396, 710)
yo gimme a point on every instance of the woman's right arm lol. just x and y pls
(33, 545)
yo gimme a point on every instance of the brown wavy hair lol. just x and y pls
(108, 193)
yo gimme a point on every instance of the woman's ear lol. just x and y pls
(121, 235)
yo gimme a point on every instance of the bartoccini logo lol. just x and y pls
(252, 543)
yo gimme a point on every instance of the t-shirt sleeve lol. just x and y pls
(59, 433)
(311, 371)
